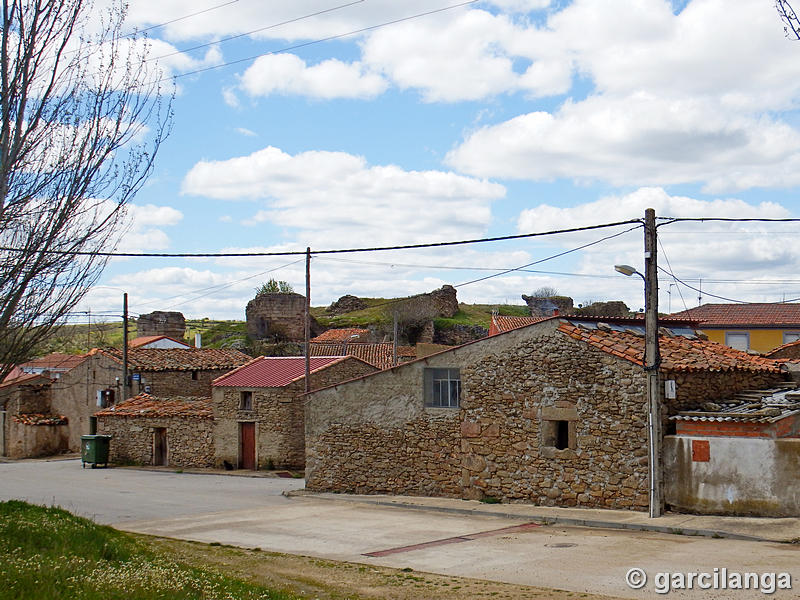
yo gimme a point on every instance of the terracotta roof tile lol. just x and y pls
(27, 378)
(179, 359)
(55, 360)
(273, 371)
(757, 314)
(677, 353)
(39, 419)
(501, 324)
(343, 335)
(147, 406)
(378, 355)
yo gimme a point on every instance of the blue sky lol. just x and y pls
(499, 117)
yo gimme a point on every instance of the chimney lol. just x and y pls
(555, 312)
(198, 340)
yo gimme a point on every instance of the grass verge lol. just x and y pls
(50, 554)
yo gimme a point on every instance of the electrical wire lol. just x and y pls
(664, 252)
(536, 262)
(671, 220)
(183, 18)
(337, 251)
(251, 32)
(691, 287)
(319, 41)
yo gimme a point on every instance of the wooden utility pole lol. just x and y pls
(124, 346)
(308, 320)
(652, 362)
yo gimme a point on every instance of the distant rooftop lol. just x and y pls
(755, 314)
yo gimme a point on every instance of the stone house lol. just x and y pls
(258, 408)
(96, 383)
(175, 431)
(553, 413)
(28, 428)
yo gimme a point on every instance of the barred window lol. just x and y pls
(442, 388)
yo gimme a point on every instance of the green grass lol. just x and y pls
(50, 554)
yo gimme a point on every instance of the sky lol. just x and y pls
(350, 124)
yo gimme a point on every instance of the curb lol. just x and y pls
(575, 522)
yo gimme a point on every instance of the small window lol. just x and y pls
(442, 388)
(738, 340)
(245, 400)
(194, 375)
(790, 336)
(556, 434)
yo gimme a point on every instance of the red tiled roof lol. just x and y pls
(179, 359)
(501, 324)
(26, 378)
(273, 371)
(779, 349)
(378, 355)
(147, 406)
(40, 419)
(677, 353)
(56, 360)
(763, 314)
(143, 340)
(343, 335)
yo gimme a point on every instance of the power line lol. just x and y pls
(548, 258)
(251, 32)
(320, 40)
(664, 252)
(670, 220)
(183, 18)
(337, 251)
(691, 287)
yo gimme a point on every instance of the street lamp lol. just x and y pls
(651, 364)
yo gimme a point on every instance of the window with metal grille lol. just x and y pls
(442, 388)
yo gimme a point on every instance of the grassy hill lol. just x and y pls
(75, 339)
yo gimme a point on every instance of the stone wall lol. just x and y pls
(176, 383)
(74, 394)
(515, 388)
(543, 306)
(189, 439)
(172, 324)
(278, 414)
(30, 441)
(278, 317)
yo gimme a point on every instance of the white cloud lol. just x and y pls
(246, 132)
(144, 227)
(289, 74)
(230, 98)
(712, 251)
(361, 204)
(641, 139)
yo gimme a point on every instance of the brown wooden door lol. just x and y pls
(247, 446)
(160, 446)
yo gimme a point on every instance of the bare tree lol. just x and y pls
(83, 114)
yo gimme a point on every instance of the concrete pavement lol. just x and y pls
(786, 530)
(452, 537)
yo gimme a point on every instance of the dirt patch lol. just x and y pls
(332, 580)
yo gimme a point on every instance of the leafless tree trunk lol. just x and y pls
(83, 114)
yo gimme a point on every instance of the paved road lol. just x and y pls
(251, 512)
(116, 495)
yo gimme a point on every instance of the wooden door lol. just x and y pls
(160, 446)
(247, 446)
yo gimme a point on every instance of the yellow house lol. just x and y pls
(757, 326)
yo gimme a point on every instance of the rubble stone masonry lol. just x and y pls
(189, 441)
(376, 436)
(278, 413)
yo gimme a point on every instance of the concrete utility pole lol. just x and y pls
(124, 347)
(652, 361)
(308, 320)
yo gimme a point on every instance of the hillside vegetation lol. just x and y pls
(76, 339)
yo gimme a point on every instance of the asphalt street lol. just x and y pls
(252, 512)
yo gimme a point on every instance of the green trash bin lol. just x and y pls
(94, 450)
